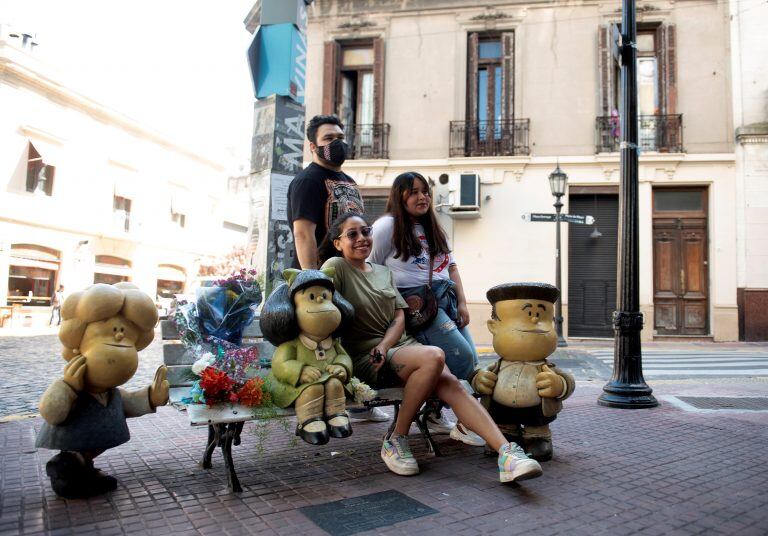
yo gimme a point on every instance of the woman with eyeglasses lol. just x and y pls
(383, 355)
(405, 239)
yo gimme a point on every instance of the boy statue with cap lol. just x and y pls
(522, 390)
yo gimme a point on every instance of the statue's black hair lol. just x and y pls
(520, 291)
(278, 316)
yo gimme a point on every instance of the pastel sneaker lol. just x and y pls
(515, 465)
(398, 456)
(465, 435)
(439, 424)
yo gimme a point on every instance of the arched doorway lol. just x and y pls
(32, 276)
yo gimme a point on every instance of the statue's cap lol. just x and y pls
(521, 291)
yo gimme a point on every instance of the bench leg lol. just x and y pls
(230, 430)
(394, 419)
(421, 422)
(213, 441)
(239, 428)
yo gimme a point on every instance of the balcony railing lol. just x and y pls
(490, 138)
(369, 141)
(658, 133)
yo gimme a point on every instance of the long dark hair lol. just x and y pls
(404, 238)
(326, 249)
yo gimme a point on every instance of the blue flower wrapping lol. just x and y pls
(225, 311)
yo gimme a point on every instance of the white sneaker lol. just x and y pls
(465, 435)
(515, 465)
(371, 414)
(439, 425)
(398, 456)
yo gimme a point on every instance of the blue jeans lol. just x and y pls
(457, 343)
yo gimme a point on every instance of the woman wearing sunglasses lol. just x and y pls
(406, 239)
(383, 355)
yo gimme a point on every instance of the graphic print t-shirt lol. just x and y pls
(413, 271)
(320, 195)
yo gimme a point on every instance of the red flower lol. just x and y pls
(215, 384)
(251, 393)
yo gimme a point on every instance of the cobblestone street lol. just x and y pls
(30, 364)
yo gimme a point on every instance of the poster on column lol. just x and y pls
(280, 238)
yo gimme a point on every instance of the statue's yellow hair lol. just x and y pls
(100, 302)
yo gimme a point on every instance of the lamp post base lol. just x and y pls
(627, 396)
(561, 342)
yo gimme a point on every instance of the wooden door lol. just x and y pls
(680, 263)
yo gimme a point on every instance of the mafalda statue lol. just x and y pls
(103, 328)
(523, 390)
(309, 367)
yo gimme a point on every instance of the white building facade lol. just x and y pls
(89, 195)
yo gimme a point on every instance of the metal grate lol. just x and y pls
(367, 512)
(744, 403)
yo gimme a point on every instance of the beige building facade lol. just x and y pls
(487, 100)
(749, 57)
(89, 195)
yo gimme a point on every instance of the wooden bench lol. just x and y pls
(225, 423)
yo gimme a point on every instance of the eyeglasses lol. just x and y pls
(352, 233)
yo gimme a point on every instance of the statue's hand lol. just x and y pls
(338, 371)
(158, 391)
(309, 374)
(74, 373)
(484, 382)
(548, 383)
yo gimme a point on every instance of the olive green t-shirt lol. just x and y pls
(375, 298)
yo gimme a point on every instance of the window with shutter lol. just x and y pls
(39, 174)
(353, 89)
(660, 128)
(491, 128)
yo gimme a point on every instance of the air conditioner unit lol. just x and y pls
(466, 204)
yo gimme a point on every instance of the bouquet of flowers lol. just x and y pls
(225, 309)
(211, 328)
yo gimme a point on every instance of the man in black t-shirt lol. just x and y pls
(317, 195)
(320, 192)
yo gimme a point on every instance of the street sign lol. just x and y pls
(539, 217)
(569, 218)
(575, 218)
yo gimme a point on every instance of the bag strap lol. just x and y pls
(431, 267)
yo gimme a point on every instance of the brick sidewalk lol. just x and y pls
(660, 471)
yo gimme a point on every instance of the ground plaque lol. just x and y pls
(358, 514)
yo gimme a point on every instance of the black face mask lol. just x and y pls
(335, 152)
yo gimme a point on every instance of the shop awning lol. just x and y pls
(171, 273)
(33, 263)
(111, 269)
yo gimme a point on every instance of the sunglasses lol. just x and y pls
(352, 233)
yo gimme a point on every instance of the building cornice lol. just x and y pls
(14, 71)
(755, 133)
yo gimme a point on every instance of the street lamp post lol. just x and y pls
(557, 183)
(627, 387)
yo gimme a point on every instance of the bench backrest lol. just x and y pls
(179, 360)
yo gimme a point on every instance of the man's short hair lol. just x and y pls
(318, 120)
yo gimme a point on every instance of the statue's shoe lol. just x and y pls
(74, 478)
(539, 448)
(338, 425)
(101, 483)
(314, 431)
